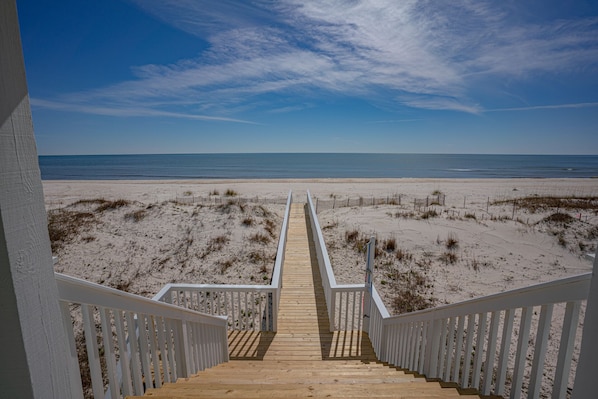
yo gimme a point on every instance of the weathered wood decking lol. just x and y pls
(303, 358)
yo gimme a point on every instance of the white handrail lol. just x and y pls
(325, 265)
(462, 342)
(567, 289)
(247, 307)
(155, 342)
(282, 242)
(344, 302)
(75, 290)
(435, 342)
(277, 273)
(475, 343)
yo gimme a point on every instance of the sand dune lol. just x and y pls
(181, 219)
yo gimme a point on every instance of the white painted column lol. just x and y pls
(587, 367)
(33, 360)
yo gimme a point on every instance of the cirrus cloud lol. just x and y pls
(418, 54)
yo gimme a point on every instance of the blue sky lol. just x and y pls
(193, 76)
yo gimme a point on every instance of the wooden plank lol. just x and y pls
(419, 385)
(315, 372)
(414, 389)
(310, 365)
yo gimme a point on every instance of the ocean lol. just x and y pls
(314, 165)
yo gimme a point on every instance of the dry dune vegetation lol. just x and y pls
(439, 241)
(138, 246)
(439, 254)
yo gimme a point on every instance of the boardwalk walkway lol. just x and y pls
(303, 328)
(303, 358)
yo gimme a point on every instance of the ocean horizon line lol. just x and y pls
(313, 165)
(322, 153)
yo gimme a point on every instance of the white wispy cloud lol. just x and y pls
(292, 108)
(540, 107)
(438, 103)
(421, 54)
(127, 112)
(394, 121)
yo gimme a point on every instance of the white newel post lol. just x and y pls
(587, 367)
(369, 267)
(34, 347)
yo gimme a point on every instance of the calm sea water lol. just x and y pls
(273, 166)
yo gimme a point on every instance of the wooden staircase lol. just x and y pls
(303, 358)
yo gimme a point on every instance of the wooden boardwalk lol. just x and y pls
(303, 358)
(303, 328)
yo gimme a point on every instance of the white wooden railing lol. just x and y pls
(493, 344)
(133, 343)
(477, 343)
(246, 307)
(344, 302)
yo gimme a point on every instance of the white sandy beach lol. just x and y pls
(507, 253)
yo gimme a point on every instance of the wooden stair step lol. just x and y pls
(314, 371)
(311, 366)
(311, 376)
(390, 390)
(292, 378)
(283, 365)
